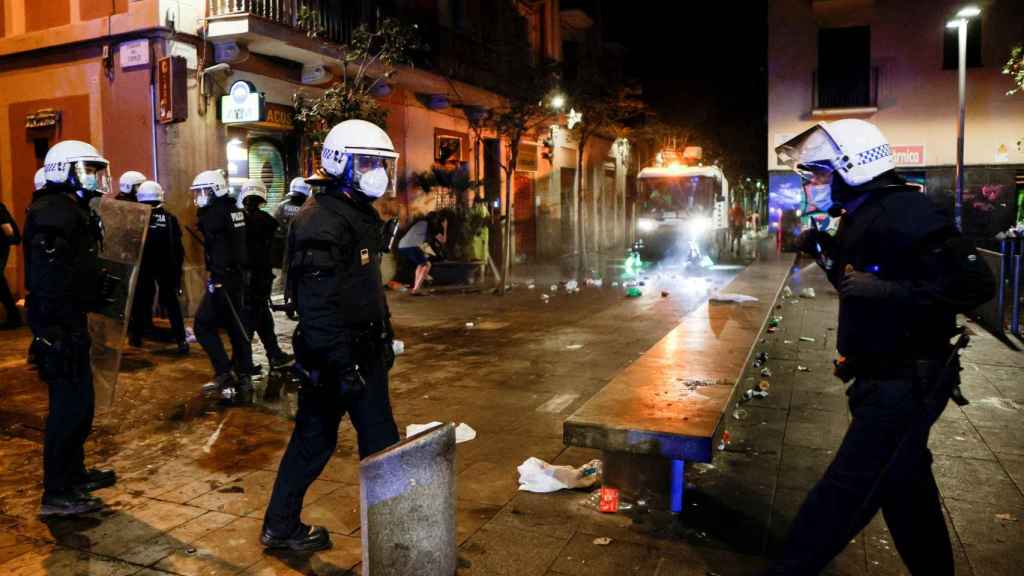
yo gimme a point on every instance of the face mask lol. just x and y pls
(374, 183)
(89, 182)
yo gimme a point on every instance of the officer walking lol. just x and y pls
(162, 259)
(128, 185)
(344, 340)
(9, 236)
(222, 226)
(65, 281)
(903, 272)
(260, 228)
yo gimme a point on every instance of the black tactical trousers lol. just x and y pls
(6, 299)
(68, 375)
(881, 436)
(221, 309)
(259, 318)
(316, 435)
(142, 306)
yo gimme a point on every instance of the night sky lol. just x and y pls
(702, 65)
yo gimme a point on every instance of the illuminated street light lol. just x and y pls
(960, 23)
(557, 101)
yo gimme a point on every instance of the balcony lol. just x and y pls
(284, 28)
(844, 93)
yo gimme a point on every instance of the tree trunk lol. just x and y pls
(506, 255)
(581, 239)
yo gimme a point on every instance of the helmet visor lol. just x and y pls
(810, 154)
(375, 175)
(201, 195)
(92, 176)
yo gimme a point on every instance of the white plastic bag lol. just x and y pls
(398, 347)
(536, 475)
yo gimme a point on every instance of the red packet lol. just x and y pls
(609, 500)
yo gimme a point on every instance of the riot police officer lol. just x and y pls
(162, 258)
(128, 185)
(260, 228)
(65, 280)
(903, 272)
(343, 341)
(298, 191)
(222, 226)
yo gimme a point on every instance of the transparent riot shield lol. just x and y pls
(124, 232)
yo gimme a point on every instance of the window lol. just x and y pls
(844, 68)
(951, 48)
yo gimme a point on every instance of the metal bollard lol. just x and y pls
(408, 506)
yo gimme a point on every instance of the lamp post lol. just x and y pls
(960, 23)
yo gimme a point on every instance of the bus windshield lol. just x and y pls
(678, 196)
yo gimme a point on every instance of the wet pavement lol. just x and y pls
(195, 478)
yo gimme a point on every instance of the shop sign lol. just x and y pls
(134, 53)
(527, 159)
(280, 116)
(172, 90)
(242, 104)
(908, 155)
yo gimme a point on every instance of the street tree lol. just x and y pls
(603, 106)
(522, 112)
(369, 59)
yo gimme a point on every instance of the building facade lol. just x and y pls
(895, 64)
(98, 71)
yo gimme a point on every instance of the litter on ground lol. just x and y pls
(729, 297)
(536, 475)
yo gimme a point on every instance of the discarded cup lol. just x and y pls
(787, 292)
(398, 347)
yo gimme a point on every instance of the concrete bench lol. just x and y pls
(667, 407)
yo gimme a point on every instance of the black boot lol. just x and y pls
(280, 359)
(303, 539)
(95, 479)
(70, 503)
(219, 383)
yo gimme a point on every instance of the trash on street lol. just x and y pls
(536, 475)
(808, 293)
(602, 541)
(801, 368)
(806, 339)
(463, 432)
(787, 292)
(398, 346)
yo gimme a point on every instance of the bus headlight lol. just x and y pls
(698, 225)
(646, 225)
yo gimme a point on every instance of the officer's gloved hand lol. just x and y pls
(814, 242)
(351, 382)
(866, 285)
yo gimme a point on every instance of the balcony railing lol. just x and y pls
(833, 91)
(334, 20)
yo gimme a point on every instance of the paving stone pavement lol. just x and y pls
(190, 501)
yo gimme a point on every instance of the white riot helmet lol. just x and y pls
(78, 165)
(299, 187)
(129, 181)
(361, 157)
(40, 179)
(855, 149)
(150, 191)
(207, 185)
(252, 189)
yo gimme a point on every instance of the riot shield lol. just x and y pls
(124, 233)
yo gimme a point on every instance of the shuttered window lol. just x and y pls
(266, 164)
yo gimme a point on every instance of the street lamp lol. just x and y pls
(960, 23)
(557, 101)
